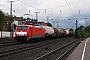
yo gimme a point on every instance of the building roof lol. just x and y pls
(19, 18)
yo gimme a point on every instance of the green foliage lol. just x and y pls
(70, 29)
(1, 19)
(80, 28)
(5, 21)
(82, 32)
(48, 24)
(1, 16)
(87, 29)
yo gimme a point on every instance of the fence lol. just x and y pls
(6, 34)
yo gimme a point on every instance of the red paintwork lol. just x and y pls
(38, 31)
(32, 31)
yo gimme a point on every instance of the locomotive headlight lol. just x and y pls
(25, 33)
(21, 33)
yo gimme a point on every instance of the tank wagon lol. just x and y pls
(66, 33)
(49, 31)
(56, 32)
(60, 32)
(71, 33)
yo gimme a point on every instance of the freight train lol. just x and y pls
(25, 33)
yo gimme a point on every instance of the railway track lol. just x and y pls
(43, 46)
(8, 52)
(7, 44)
(58, 53)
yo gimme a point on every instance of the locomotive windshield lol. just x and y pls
(22, 28)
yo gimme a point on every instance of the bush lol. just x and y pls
(82, 34)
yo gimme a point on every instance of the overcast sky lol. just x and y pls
(65, 12)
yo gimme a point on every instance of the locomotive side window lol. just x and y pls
(22, 28)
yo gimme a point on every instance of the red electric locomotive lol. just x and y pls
(26, 32)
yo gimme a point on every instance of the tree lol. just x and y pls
(87, 29)
(70, 29)
(48, 24)
(5, 22)
(80, 28)
(1, 19)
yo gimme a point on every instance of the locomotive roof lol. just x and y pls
(25, 25)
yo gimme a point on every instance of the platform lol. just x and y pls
(82, 52)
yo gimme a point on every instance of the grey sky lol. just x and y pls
(63, 11)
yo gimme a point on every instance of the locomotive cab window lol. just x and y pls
(22, 28)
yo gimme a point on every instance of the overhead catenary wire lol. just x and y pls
(73, 5)
(76, 9)
(45, 9)
(47, 5)
(70, 7)
(32, 6)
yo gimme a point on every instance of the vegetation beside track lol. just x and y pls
(83, 32)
